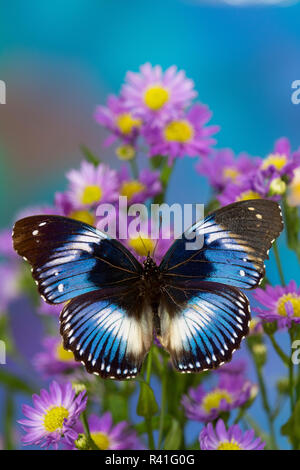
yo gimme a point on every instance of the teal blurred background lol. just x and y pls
(60, 59)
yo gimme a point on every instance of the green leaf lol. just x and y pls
(147, 405)
(14, 383)
(141, 428)
(174, 436)
(89, 155)
(292, 427)
(118, 406)
(8, 421)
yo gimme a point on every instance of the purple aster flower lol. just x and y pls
(251, 186)
(6, 246)
(53, 417)
(147, 186)
(10, 274)
(89, 186)
(185, 134)
(222, 167)
(154, 95)
(143, 243)
(238, 366)
(109, 437)
(281, 161)
(230, 392)
(54, 360)
(293, 193)
(49, 309)
(119, 120)
(232, 439)
(281, 304)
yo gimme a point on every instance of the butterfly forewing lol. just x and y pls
(70, 258)
(236, 241)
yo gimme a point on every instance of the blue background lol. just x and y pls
(60, 59)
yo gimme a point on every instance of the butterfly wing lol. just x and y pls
(236, 241)
(202, 326)
(70, 258)
(110, 333)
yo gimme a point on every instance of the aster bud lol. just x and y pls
(82, 442)
(283, 385)
(260, 354)
(277, 187)
(126, 152)
(270, 328)
(78, 387)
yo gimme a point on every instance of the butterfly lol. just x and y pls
(113, 304)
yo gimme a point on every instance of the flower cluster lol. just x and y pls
(156, 114)
(154, 111)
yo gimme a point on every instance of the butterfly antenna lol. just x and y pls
(159, 227)
(143, 243)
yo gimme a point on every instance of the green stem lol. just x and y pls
(266, 405)
(163, 404)
(278, 262)
(86, 428)
(149, 420)
(134, 168)
(8, 420)
(285, 359)
(291, 375)
(165, 176)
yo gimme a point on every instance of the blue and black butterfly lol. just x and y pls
(113, 304)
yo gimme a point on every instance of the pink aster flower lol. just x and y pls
(154, 95)
(228, 394)
(108, 436)
(143, 243)
(119, 120)
(185, 134)
(49, 309)
(54, 360)
(281, 161)
(54, 416)
(232, 438)
(281, 304)
(222, 167)
(89, 186)
(138, 190)
(250, 186)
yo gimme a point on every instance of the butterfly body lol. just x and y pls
(113, 304)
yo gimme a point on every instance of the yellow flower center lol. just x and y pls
(226, 445)
(83, 216)
(294, 299)
(274, 159)
(125, 152)
(54, 418)
(101, 440)
(126, 123)
(156, 97)
(295, 191)
(91, 194)
(213, 399)
(142, 245)
(131, 188)
(231, 173)
(247, 195)
(178, 131)
(63, 355)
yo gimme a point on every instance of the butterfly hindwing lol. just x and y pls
(202, 326)
(109, 334)
(70, 258)
(236, 241)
